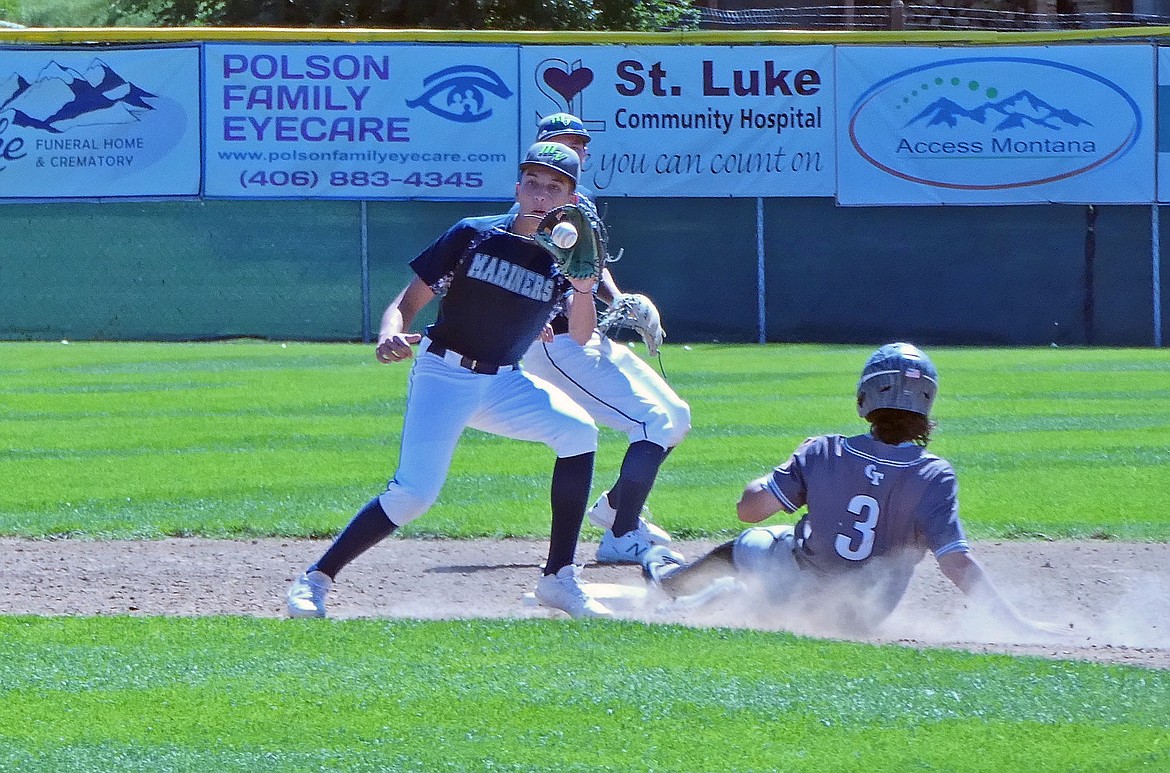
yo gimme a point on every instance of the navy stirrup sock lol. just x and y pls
(639, 471)
(572, 477)
(369, 527)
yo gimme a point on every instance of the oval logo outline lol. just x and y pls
(1127, 142)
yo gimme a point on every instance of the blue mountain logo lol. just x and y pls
(1021, 110)
(61, 98)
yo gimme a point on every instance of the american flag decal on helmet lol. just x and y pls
(913, 373)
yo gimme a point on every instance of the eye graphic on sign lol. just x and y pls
(460, 93)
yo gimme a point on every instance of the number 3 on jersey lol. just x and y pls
(867, 509)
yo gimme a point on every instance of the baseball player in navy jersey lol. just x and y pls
(498, 291)
(876, 504)
(620, 391)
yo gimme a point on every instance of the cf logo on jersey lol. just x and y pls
(874, 476)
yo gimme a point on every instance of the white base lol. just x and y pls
(614, 595)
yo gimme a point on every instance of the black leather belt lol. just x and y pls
(475, 366)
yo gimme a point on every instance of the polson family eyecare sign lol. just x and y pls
(360, 121)
(995, 125)
(691, 120)
(99, 123)
(440, 122)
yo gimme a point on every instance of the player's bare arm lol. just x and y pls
(757, 503)
(582, 310)
(968, 576)
(394, 344)
(607, 289)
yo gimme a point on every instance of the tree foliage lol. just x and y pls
(430, 14)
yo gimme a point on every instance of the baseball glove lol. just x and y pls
(582, 259)
(637, 312)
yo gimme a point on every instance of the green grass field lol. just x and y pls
(243, 439)
(264, 439)
(259, 439)
(250, 695)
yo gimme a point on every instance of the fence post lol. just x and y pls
(1156, 270)
(761, 294)
(1090, 257)
(897, 15)
(365, 259)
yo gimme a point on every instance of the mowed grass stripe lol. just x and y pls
(247, 694)
(268, 439)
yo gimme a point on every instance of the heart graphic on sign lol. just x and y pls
(568, 84)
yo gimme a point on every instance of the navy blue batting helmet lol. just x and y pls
(897, 376)
(560, 123)
(553, 155)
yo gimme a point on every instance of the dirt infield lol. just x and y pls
(1114, 596)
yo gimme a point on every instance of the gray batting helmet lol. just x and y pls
(560, 123)
(553, 155)
(897, 376)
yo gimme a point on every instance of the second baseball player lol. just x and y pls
(618, 390)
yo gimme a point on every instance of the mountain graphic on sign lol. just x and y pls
(1020, 110)
(61, 98)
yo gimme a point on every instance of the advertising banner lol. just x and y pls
(698, 121)
(368, 121)
(1018, 125)
(101, 123)
(1163, 124)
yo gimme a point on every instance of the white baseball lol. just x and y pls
(564, 235)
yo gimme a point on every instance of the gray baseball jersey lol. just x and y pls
(867, 500)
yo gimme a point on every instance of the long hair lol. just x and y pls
(894, 426)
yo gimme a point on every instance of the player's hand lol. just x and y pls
(1050, 629)
(397, 347)
(1028, 628)
(547, 334)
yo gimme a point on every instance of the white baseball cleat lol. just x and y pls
(659, 563)
(602, 515)
(306, 595)
(633, 547)
(563, 591)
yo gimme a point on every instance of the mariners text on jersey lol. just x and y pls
(517, 279)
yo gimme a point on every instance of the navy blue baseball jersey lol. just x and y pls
(498, 289)
(867, 500)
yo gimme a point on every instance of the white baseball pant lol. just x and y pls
(443, 398)
(614, 385)
(765, 554)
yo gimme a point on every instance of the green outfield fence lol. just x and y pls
(302, 269)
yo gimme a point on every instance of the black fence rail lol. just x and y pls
(900, 16)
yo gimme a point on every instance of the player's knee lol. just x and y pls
(680, 422)
(404, 503)
(575, 437)
(668, 425)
